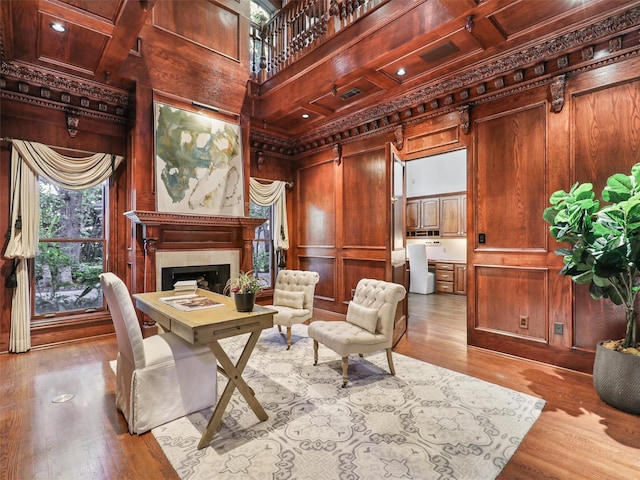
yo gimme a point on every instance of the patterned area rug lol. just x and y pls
(425, 423)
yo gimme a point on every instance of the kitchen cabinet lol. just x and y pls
(460, 279)
(441, 216)
(423, 217)
(454, 216)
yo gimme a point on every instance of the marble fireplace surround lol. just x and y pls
(178, 239)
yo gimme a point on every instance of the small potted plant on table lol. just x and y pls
(244, 288)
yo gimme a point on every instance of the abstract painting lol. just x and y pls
(198, 162)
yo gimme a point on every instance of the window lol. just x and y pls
(71, 251)
(260, 14)
(263, 258)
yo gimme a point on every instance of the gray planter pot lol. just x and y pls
(616, 378)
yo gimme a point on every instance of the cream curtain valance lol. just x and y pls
(69, 173)
(274, 193)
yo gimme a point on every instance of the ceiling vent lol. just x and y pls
(439, 53)
(350, 93)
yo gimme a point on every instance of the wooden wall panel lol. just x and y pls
(6, 264)
(505, 296)
(510, 179)
(316, 206)
(427, 141)
(187, 67)
(208, 24)
(606, 141)
(365, 208)
(357, 269)
(325, 289)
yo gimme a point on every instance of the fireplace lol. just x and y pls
(209, 277)
(186, 240)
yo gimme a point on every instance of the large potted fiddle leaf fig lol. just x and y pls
(603, 252)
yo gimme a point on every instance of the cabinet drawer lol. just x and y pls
(444, 275)
(444, 287)
(444, 266)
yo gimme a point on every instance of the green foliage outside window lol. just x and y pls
(263, 261)
(70, 254)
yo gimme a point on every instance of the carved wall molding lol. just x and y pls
(46, 103)
(59, 82)
(57, 92)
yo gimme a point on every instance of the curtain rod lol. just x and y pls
(289, 184)
(9, 139)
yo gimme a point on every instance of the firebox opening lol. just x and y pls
(209, 277)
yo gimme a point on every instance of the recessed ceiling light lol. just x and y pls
(401, 72)
(58, 27)
(305, 115)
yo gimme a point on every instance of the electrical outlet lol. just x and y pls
(524, 321)
(558, 328)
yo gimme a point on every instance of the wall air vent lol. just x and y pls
(350, 93)
(439, 53)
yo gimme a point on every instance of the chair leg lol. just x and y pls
(315, 352)
(279, 329)
(390, 360)
(345, 368)
(288, 338)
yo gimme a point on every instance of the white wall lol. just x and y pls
(444, 248)
(436, 175)
(444, 173)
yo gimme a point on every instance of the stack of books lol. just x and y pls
(184, 287)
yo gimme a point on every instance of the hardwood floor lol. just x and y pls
(576, 437)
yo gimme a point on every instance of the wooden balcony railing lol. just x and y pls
(299, 27)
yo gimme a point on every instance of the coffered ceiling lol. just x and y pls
(99, 35)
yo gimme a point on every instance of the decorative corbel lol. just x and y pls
(469, 25)
(337, 153)
(260, 161)
(73, 118)
(557, 93)
(398, 133)
(465, 123)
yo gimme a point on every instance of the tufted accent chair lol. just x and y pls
(368, 327)
(293, 298)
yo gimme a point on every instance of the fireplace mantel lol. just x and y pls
(152, 218)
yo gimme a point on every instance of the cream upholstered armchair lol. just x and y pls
(159, 378)
(293, 298)
(368, 327)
